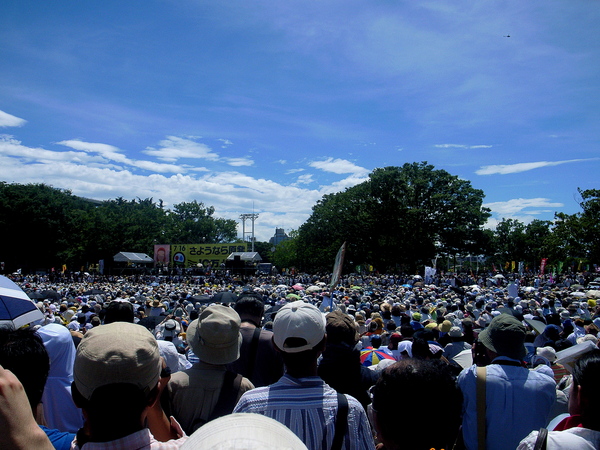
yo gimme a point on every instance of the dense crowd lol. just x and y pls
(379, 360)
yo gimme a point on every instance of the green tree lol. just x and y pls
(590, 223)
(42, 227)
(192, 222)
(510, 241)
(400, 217)
(264, 250)
(286, 252)
(537, 241)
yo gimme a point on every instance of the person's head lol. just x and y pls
(250, 308)
(116, 375)
(505, 336)
(585, 390)
(341, 329)
(406, 383)
(376, 341)
(23, 353)
(215, 336)
(299, 334)
(407, 331)
(118, 311)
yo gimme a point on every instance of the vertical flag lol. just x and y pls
(543, 265)
(521, 264)
(337, 266)
(512, 266)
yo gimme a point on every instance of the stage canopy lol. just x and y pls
(130, 257)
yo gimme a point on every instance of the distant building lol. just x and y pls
(279, 237)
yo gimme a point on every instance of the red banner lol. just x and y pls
(543, 265)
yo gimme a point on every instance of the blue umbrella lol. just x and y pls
(16, 308)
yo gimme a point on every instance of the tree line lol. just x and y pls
(399, 220)
(404, 218)
(45, 227)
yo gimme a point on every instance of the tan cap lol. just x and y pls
(215, 335)
(120, 352)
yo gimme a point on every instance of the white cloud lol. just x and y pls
(307, 178)
(524, 210)
(237, 162)
(461, 146)
(504, 169)
(292, 171)
(8, 120)
(517, 205)
(108, 151)
(174, 148)
(226, 142)
(339, 166)
(282, 161)
(114, 154)
(450, 146)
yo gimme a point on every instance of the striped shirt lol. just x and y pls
(308, 407)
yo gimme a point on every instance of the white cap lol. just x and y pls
(298, 320)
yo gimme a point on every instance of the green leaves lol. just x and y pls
(401, 216)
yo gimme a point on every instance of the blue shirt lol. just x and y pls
(518, 401)
(61, 440)
(308, 407)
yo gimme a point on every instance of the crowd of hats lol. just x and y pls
(434, 304)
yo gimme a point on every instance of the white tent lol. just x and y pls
(245, 256)
(132, 257)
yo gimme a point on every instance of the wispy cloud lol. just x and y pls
(8, 120)
(307, 178)
(226, 143)
(112, 153)
(339, 166)
(504, 169)
(173, 148)
(518, 205)
(461, 146)
(292, 171)
(238, 162)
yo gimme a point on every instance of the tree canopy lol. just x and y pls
(399, 217)
(47, 227)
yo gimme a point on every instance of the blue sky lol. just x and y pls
(265, 106)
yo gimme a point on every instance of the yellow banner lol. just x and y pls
(190, 255)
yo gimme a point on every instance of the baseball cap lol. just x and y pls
(301, 321)
(340, 328)
(120, 352)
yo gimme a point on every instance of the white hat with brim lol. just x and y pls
(243, 431)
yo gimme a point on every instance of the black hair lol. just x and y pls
(407, 330)
(114, 410)
(404, 383)
(250, 304)
(23, 353)
(118, 312)
(586, 374)
(301, 360)
(420, 349)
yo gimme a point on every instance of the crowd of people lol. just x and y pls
(450, 361)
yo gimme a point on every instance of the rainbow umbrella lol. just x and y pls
(370, 356)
